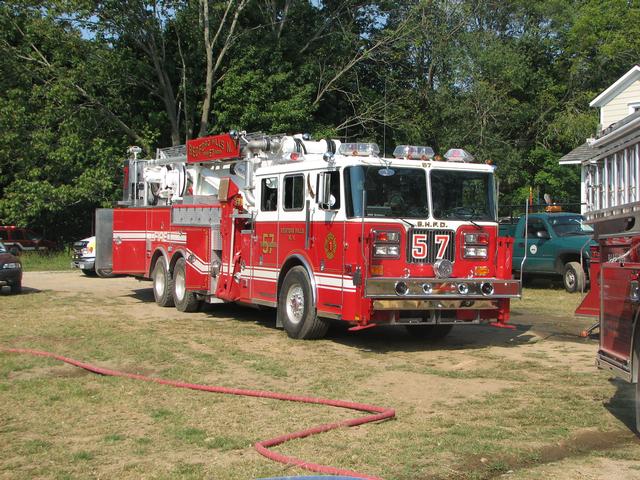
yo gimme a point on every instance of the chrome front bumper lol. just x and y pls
(438, 294)
(83, 264)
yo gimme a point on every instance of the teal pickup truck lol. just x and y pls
(557, 244)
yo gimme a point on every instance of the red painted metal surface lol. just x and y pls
(375, 413)
(590, 305)
(616, 322)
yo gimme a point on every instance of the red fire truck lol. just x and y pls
(610, 176)
(319, 230)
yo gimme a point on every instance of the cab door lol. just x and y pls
(536, 244)
(264, 256)
(327, 219)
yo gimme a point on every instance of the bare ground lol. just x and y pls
(384, 362)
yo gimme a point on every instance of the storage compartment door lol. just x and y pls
(129, 241)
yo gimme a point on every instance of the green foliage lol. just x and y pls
(509, 81)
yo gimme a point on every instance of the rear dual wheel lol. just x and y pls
(185, 300)
(162, 284)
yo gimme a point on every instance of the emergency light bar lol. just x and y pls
(359, 149)
(458, 155)
(413, 152)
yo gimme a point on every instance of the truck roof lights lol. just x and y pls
(458, 155)
(359, 149)
(413, 152)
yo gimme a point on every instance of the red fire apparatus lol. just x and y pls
(320, 230)
(610, 176)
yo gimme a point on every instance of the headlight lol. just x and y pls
(11, 266)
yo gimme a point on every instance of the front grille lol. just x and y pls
(433, 246)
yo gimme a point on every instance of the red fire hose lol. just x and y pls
(377, 413)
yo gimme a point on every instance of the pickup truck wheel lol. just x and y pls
(185, 300)
(296, 310)
(574, 278)
(104, 273)
(162, 284)
(429, 332)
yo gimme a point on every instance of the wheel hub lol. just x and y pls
(180, 285)
(158, 281)
(571, 279)
(295, 304)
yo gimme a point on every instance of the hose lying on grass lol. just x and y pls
(377, 413)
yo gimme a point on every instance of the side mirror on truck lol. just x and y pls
(326, 200)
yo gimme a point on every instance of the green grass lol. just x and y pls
(53, 261)
(480, 403)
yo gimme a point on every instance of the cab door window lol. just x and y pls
(293, 192)
(334, 197)
(269, 197)
(535, 225)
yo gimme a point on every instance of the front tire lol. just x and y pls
(16, 288)
(89, 273)
(102, 273)
(296, 310)
(162, 284)
(429, 332)
(573, 277)
(185, 300)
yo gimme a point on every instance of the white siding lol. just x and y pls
(618, 107)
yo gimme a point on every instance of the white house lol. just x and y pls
(619, 100)
(611, 161)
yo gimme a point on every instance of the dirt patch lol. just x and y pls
(423, 391)
(62, 371)
(579, 445)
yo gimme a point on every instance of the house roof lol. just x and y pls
(577, 155)
(608, 141)
(619, 86)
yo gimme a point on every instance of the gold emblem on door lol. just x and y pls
(330, 246)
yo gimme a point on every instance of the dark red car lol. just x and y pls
(18, 240)
(10, 270)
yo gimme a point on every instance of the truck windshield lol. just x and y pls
(390, 192)
(566, 225)
(458, 195)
